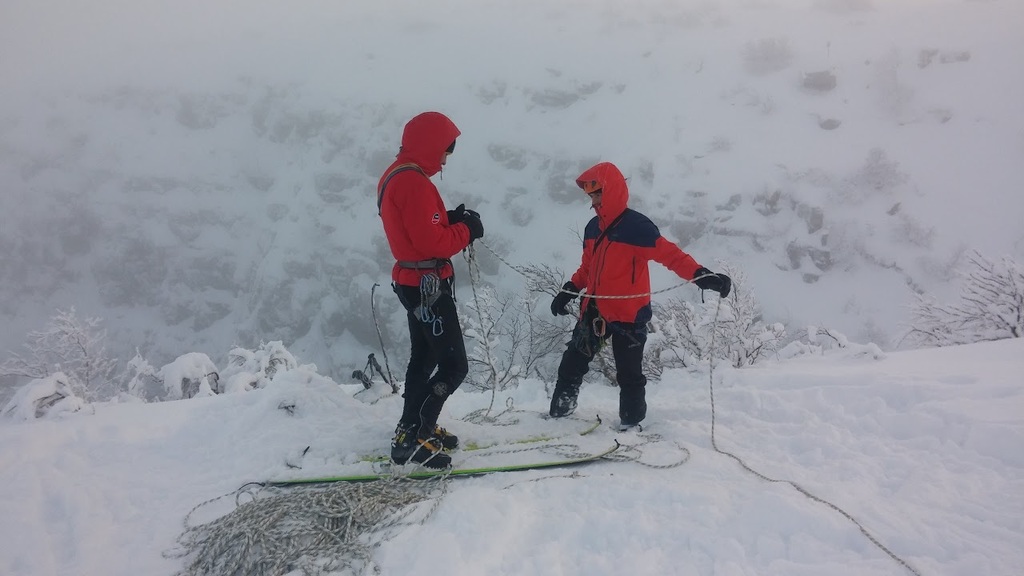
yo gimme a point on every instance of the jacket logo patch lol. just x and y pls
(436, 219)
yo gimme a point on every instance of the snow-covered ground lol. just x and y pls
(924, 449)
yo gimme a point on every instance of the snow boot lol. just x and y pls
(430, 454)
(563, 401)
(448, 440)
(406, 447)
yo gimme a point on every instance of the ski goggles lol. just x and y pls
(589, 186)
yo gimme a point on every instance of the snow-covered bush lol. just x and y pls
(673, 340)
(490, 328)
(741, 335)
(991, 307)
(190, 375)
(141, 379)
(251, 369)
(538, 337)
(505, 338)
(681, 333)
(817, 341)
(46, 397)
(72, 346)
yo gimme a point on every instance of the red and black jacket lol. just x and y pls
(617, 245)
(414, 216)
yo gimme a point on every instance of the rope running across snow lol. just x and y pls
(714, 445)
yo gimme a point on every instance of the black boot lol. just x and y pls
(448, 440)
(407, 447)
(404, 443)
(563, 400)
(430, 453)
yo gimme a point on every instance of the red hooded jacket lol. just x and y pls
(414, 216)
(617, 245)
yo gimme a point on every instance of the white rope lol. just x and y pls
(474, 275)
(633, 453)
(313, 529)
(597, 296)
(714, 444)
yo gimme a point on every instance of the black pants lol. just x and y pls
(628, 341)
(436, 344)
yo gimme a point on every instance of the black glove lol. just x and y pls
(472, 221)
(707, 280)
(568, 294)
(456, 216)
(459, 214)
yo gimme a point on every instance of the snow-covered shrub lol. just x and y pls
(490, 328)
(681, 333)
(190, 375)
(141, 379)
(991, 307)
(251, 369)
(817, 341)
(545, 335)
(76, 347)
(741, 335)
(673, 340)
(505, 338)
(46, 397)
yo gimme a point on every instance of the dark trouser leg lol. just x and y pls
(452, 365)
(438, 343)
(421, 365)
(628, 342)
(574, 366)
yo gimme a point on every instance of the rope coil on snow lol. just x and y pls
(315, 530)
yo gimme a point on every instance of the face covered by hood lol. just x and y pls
(425, 139)
(614, 192)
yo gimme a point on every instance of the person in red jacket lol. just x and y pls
(423, 237)
(617, 245)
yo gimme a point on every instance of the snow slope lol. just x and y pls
(925, 449)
